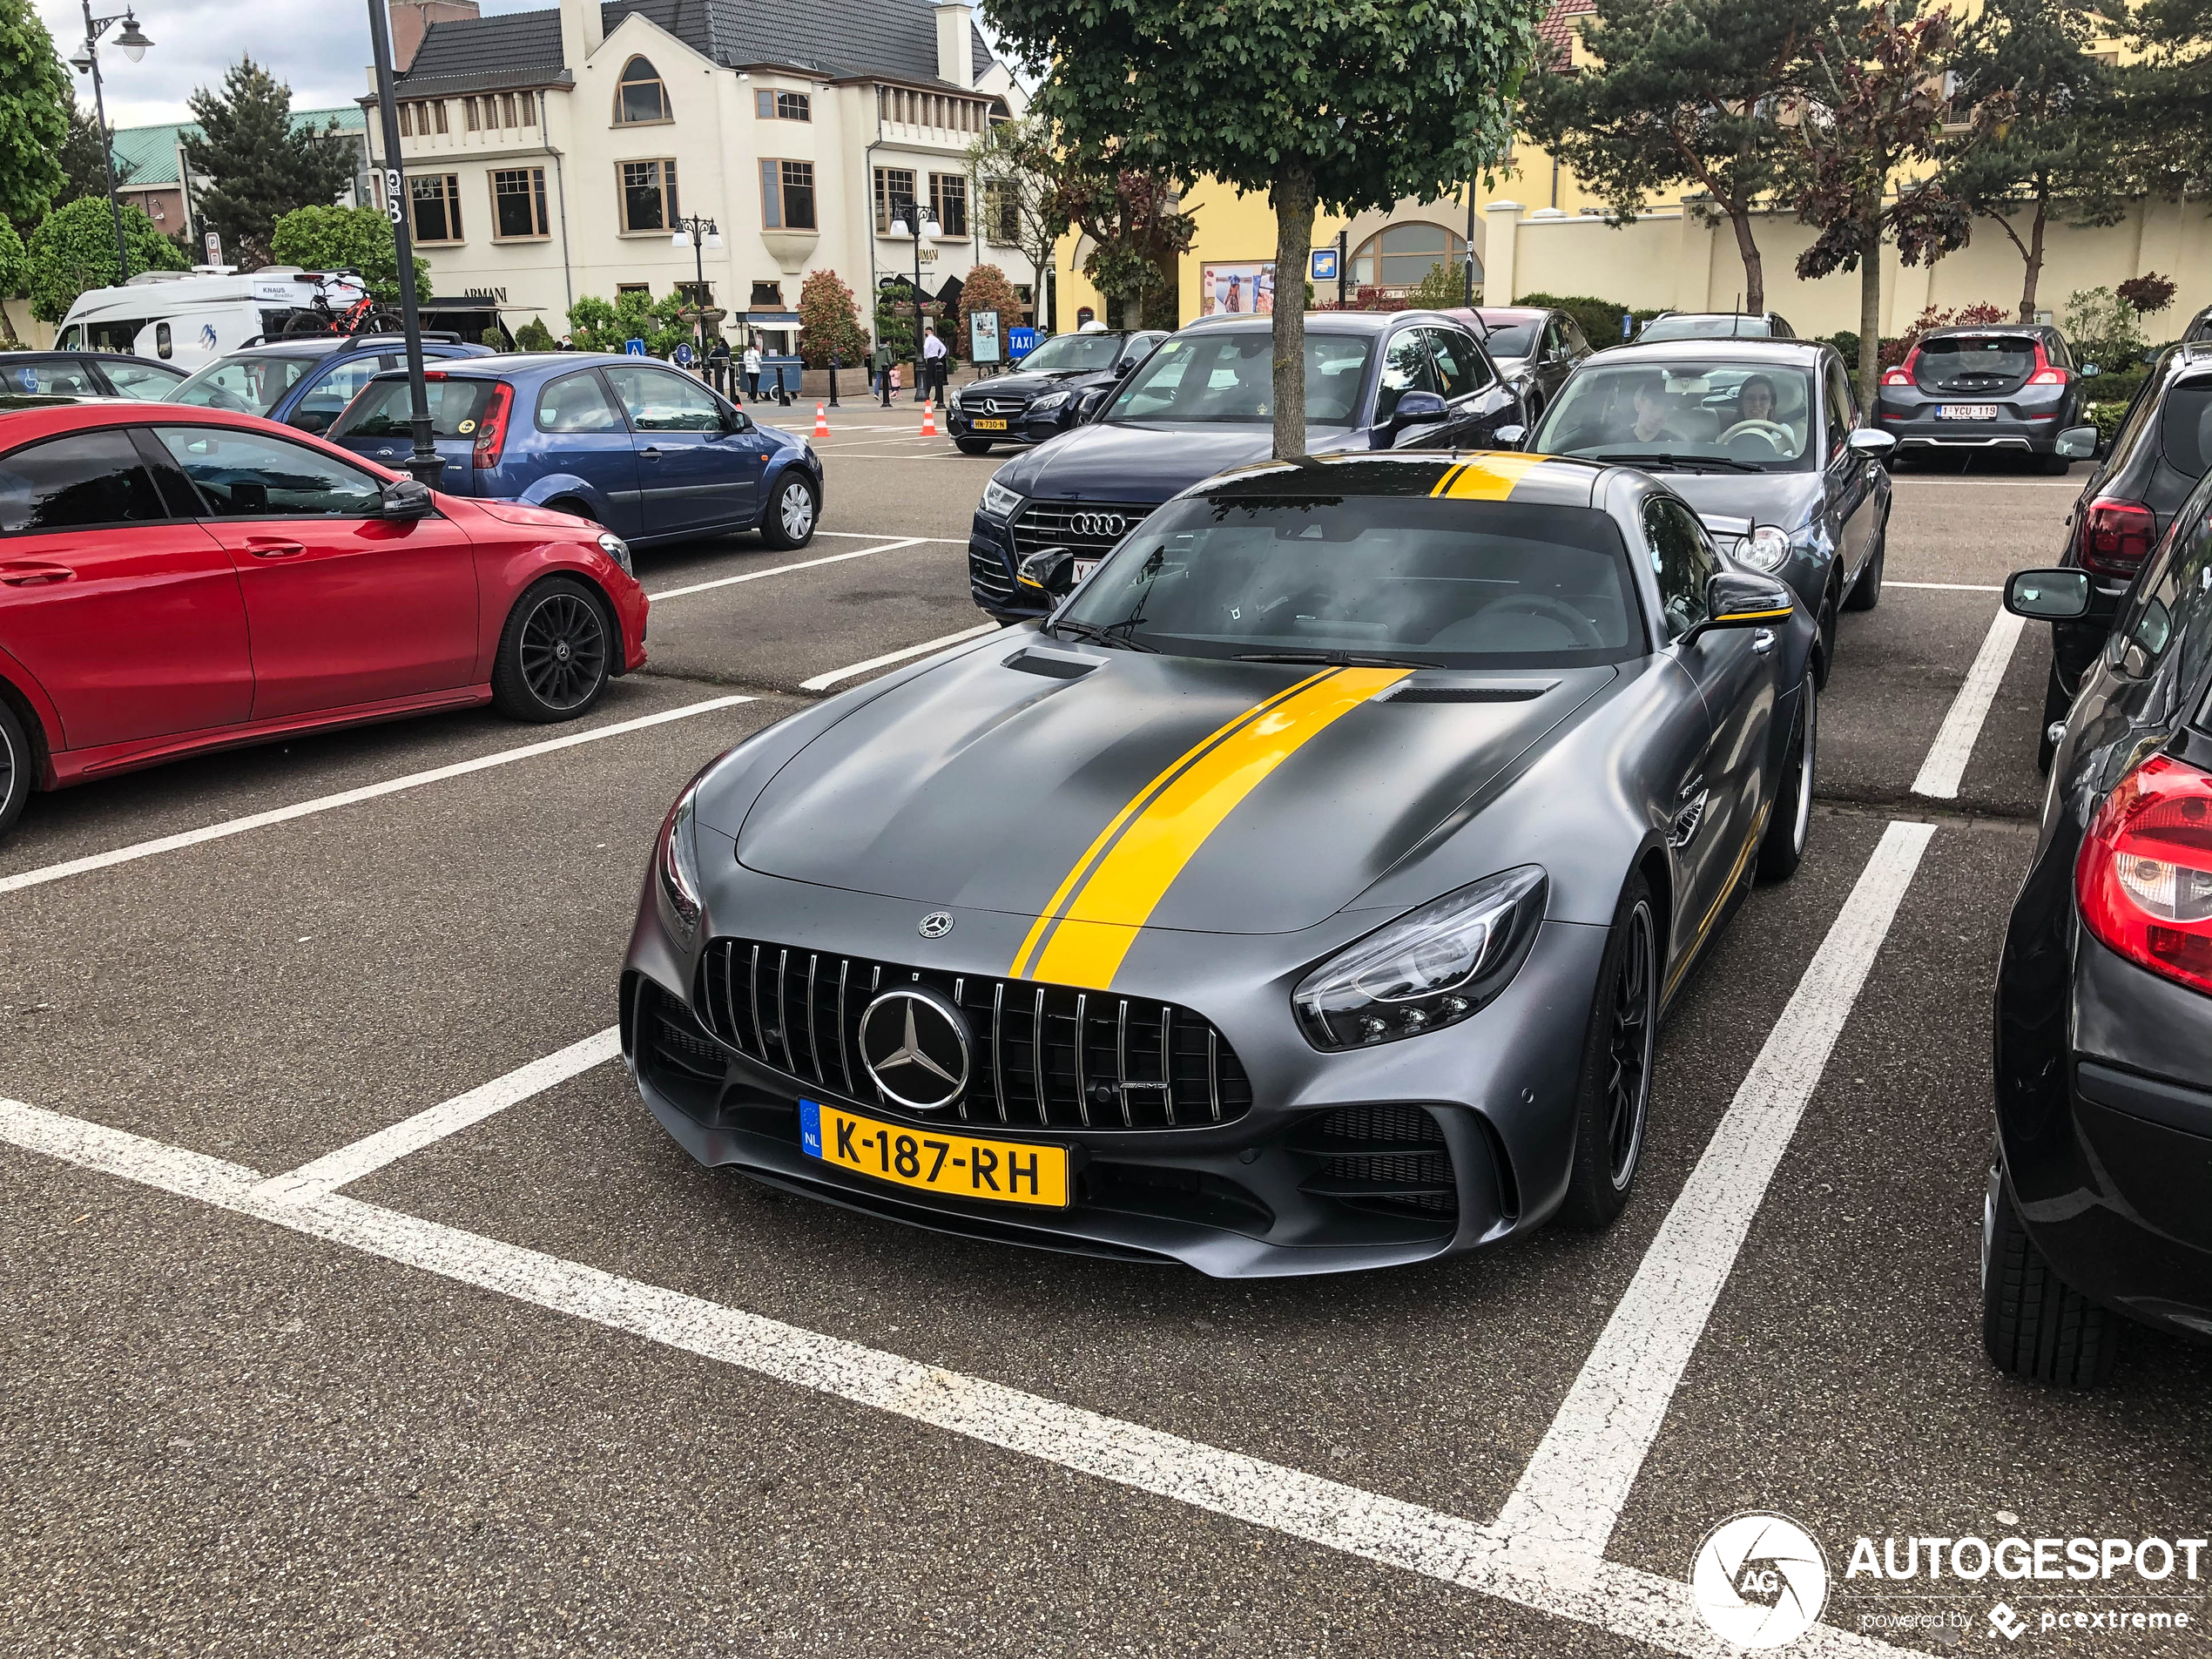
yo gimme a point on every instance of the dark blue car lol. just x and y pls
(632, 444)
(306, 382)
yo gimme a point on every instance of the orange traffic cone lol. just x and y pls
(929, 419)
(822, 422)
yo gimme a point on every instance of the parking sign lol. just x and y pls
(1324, 265)
(634, 346)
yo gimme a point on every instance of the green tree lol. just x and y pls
(262, 166)
(1445, 286)
(596, 326)
(15, 277)
(1683, 92)
(534, 335)
(1137, 226)
(83, 171)
(986, 289)
(1354, 105)
(829, 320)
(2164, 112)
(346, 239)
(1020, 167)
(2053, 156)
(74, 250)
(35, 106)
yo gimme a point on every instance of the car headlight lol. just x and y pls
(1431, 967)
(1764, 549)
(999, 502)
(618, 549)
(676, 868)
(1050, 400)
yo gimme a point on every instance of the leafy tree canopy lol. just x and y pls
(534, 335)
(83, 169)
(1353, 106)
(1135, 223)
(74, 250)
(2166, 111)
(986, 289)
(596, 326)
(829, 320)
(346, 239)
(262, 167)
(35, 107)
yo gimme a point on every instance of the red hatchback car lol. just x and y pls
(177, 579)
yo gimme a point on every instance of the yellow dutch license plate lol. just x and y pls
(953, 1166)
(988, 426)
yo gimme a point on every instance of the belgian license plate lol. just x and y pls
(1083, 568)
(1968, 412)
(988, 426)
(953, 1166)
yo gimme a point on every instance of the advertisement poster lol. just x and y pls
(983, 336)
(1236, 290)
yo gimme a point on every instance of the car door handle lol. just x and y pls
(28, 574)
(265, 548)
(1762, 641)
(651, 452)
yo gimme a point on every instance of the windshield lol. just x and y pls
(1513, 339)
(1073, 354)
(1227, 376)
(382, 409)
(244, 385)
(1441, 584)
(1738, 416)
(1720, 327)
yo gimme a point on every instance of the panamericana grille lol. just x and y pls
(987, 574)
(1387, 1158)
(1091, 525)
(1043, 1056)
(974, 405)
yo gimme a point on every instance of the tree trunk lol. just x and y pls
(1293, 199)
(2035, 251)
(8, 326)
(1754, 266)
(1870, 304)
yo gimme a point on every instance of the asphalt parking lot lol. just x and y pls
(351, 1303)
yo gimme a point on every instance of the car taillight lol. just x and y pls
(2045, 375)
(1902, 374)
(2116, 535)
(2144, 877)
(491, 427)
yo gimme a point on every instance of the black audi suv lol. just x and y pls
(1054, 386)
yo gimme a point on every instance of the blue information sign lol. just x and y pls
(1019, 342)
(1324, 265)
(634, 346)
(684, 354)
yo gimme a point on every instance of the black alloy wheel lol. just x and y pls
(973, 446)
(15, 768)
(1613, 1097)
(1866, 592)
(1790, 819)
(553, 654)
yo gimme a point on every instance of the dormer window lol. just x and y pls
(641, 97)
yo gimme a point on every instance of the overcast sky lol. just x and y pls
(319, 48)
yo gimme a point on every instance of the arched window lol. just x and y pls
(641, 97)
(1400, 256)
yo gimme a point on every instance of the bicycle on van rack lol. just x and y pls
(319, 317)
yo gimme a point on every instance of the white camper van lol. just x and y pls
(191, 317)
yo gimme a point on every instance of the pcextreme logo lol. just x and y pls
(1760, 1581)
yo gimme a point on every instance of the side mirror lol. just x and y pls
(405, 498)
(1050, 570)
(1739, 599)
(2090, 371)
(1511, 436)
(1875, 446)
(2078, 443)
(735, 421)
(1091, 399)
(2049, 596)
(1417, 409)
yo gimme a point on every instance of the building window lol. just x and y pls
(1001, 212)
(894, 198)
(648, 195)
(507, 110)
(772, 106)
(622, 289)
(1402, 255)
(439, 110)
(518, 204)
(406, 120)
(948, 203)
(642, 97)
(787, 195)
(469, 114)
(526, 105)
(767, 296)
(436, 199)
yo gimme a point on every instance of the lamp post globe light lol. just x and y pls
(927, 231)
(703, 238)
(133, 43)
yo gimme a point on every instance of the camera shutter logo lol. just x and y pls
(1759, 1581)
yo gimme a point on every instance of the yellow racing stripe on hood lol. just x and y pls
(1488, 477)
(1084, 934)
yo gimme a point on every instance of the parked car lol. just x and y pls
(143, 546)
(2163, 445)
(650, 453)
(1535, 349)
(2100, 1198)
(2199, 326)
(305, 383)
(1054, 386)
(87, 374)
(1716, 325)
(1764, 439)
(1202, 401)
(2013, 386)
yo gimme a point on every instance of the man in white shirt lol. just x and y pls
(931, 381)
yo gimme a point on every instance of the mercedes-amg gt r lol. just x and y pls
(1302, 894)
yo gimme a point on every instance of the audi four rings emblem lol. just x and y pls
(936, 924)
(1097, 523)
(915, 1043)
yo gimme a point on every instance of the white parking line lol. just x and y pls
(350, 797)
(1947, 587)
(348, 1163)
(877, 536)
(1632, 1604)
(783, 569)
(823, 682)
(1562, 1511)
(1954, 746)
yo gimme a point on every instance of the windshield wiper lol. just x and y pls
(1336, 658)
(1692, 463)
(1105, 635)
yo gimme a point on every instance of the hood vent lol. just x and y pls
(1409, 691)
(1053, 665)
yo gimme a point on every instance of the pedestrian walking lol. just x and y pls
(753, 369)
(931, 381)
(717, 364)
(881, 363)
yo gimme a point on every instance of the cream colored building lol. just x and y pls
(551, 154)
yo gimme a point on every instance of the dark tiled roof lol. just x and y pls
(1556, 35)
(841, 37)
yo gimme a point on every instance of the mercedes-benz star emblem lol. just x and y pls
(915, 1043)
(937, 924)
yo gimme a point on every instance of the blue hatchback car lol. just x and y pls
(642, 449)
(306, 382)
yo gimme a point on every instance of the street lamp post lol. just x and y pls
(925, 231)
(134, 43)
(425, 462)
(703, 238)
